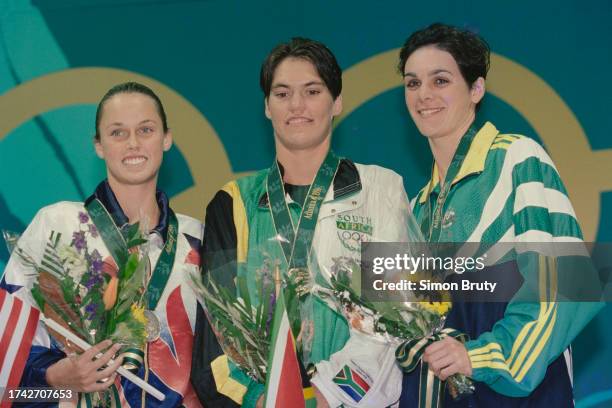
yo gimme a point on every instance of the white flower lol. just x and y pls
(73, 262)
(77, 271)
(67, 253)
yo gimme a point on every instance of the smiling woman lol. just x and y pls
(131, 137)
(440, 101)
(489, 187)
(444, 84)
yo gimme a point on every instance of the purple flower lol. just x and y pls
(270, 310)
(93, 280)
(83, 217)
(95, 255)
(96, 262)
(94, 271)
(93, 230)
(78, 240)
(91, 311)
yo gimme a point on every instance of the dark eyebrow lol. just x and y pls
(434, 72)
(439, 71)
(314, 83)
(121, 124)
(281, 85)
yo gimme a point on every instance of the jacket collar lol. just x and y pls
(346, 181)
(107, 197)
(473, 163)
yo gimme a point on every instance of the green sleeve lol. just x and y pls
(538, 325)
(254, 390)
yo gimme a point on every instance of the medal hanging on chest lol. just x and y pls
(296, 238)
(152, 326)
(435, 219)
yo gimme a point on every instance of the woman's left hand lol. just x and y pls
(447, 357)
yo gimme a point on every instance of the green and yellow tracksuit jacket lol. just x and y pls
(508, 190)
(366, 203)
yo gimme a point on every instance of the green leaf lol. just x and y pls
(91, 296)
(123, 316)
(38, 296)
(132, 231)
(244, 292)
(69, 294)
(130, 267)
(135, 242)
(130, 289)
(110, 323)
(122, 307)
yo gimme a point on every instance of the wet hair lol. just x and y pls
(310, 50)
(470, 51)
(130, 87)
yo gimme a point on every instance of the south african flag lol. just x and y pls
(284, 387)
(352, 383)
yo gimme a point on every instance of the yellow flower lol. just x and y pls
(110, 293)
(439, 308)
(138, 313)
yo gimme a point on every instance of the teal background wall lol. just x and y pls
(550, 79)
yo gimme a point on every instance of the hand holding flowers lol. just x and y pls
(447, 357)
(97, 300)
(85, 372)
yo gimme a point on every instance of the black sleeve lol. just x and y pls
(218, 247)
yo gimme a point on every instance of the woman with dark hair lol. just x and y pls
(310, 202)
(131, 136)
(489, 187)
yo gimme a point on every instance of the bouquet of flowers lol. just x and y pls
(393, 321)
(93, 298)
(242, 317)
(421, 315)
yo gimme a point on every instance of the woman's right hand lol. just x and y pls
(84, 373)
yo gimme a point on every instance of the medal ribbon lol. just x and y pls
(297, 240)
(432, 223)
(409, 353)
(408, 356)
